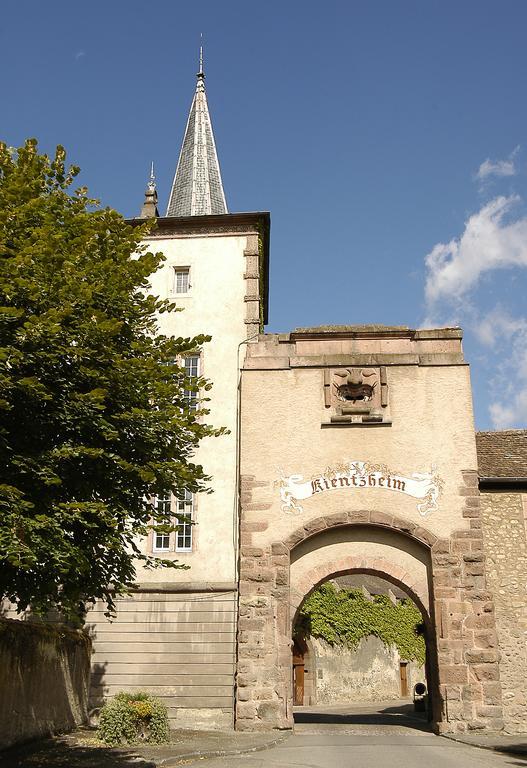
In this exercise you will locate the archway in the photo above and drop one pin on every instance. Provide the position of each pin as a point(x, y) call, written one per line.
point(270, 596)
point(370, 682)
point(371, 550)
point(460, 612)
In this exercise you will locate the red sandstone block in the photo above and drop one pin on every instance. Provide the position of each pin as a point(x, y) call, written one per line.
point(282, 577)
point(315, 525)
point(475, 569)
point(464, 491)
point(253, 624)
point(426, 536)
point(251, 551)
point(470, 478)
point(295, 538)
point(440, 560)
point(339, 518)
point(441, 577)
point(485, 672)
point(358, 516)
point(380, 518)
point(454, 674)
point(479, 656)
point(279, 549)
point(256, 527)
point(474, 557)
point(445, 593)
point(485, 639)
point(489, 710)
point(405, 526)
point(246, 710)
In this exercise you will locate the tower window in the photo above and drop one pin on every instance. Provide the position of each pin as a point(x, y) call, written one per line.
point(185, 506)
point(179, 540)
point(181, 279)
point(162, 540)
point(191, 372)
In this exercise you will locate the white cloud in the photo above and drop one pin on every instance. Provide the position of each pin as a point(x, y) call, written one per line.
point(490, 241)
point(512, 415)
point(498, 168)
point(501, 331)
point(499, 324)
point(79, 55)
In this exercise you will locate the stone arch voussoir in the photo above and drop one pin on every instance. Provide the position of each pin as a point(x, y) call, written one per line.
point(362, 517)
point(381, 566)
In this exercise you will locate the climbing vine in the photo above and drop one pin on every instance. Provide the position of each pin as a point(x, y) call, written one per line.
point(345, 616)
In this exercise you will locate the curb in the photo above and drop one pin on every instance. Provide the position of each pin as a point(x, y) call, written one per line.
point(508, 749)
point(202, 754)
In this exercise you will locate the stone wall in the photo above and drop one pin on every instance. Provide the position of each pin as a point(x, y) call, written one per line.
point(44, 672)
point(503, 517)
point(368, 673)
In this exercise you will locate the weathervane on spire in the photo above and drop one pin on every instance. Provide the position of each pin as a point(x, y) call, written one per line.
point(152, 181)
point(201, 73)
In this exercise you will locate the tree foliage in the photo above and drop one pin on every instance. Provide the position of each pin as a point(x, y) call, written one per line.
point(93, 414)
point(345, 616)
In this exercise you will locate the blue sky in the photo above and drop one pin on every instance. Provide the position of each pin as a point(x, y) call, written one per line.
point(387, 138)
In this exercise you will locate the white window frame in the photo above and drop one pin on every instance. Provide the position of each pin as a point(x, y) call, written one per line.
point(192, 398)
point(184, 538)
point(164, 499)
point(180, 270)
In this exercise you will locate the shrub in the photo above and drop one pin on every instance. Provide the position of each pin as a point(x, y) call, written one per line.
point(131, 718)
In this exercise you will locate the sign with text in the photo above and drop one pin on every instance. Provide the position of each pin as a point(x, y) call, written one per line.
point(365, 475)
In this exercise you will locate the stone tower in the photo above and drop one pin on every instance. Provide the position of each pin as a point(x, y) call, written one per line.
point(175, 636)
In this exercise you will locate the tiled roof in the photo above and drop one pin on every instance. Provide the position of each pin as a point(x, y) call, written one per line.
point(502, 454)
point(197, 188)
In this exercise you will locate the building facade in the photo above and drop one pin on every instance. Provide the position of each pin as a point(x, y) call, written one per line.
point(351, 450)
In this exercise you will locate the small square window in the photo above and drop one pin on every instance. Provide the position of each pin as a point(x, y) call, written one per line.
point(181, 279)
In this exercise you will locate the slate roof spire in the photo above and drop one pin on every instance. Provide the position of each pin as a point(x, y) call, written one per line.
point(197, 189)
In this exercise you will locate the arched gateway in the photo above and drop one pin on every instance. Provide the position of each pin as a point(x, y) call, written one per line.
point(358, 455)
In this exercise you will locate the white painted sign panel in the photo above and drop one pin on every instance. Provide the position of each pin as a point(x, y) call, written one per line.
point(362, 474)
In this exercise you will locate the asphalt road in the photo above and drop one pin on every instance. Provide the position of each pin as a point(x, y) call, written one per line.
point(388, 735)
point(336, 750)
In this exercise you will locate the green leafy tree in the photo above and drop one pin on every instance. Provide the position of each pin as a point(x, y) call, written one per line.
point(93, 414)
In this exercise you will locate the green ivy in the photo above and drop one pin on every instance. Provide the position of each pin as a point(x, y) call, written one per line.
point(345, 616)
point(130, 718)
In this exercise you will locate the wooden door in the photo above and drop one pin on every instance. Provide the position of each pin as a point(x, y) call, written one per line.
point(298, 675)
point(403, 670)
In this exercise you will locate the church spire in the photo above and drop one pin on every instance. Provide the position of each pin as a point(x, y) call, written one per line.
point(197, 188)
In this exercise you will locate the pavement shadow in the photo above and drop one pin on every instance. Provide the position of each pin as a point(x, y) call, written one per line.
point(403, 716)
point(61, 753)
point(516, 759)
